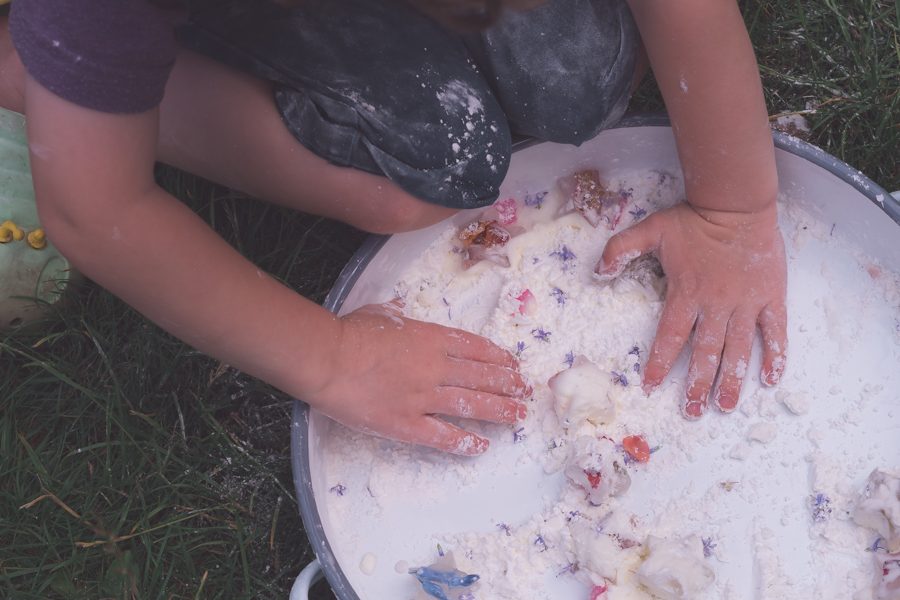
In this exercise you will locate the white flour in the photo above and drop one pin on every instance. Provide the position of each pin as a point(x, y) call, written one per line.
point(767, 492)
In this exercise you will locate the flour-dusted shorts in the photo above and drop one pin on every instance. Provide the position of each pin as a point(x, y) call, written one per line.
point(375, 85)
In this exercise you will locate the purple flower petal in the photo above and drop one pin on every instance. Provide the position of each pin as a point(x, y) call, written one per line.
point(540, 334)
point(564, 254)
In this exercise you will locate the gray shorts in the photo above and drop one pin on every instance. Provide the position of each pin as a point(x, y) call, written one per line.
point(375, 85)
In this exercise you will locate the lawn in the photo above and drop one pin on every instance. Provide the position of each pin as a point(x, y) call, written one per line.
point(133, 467)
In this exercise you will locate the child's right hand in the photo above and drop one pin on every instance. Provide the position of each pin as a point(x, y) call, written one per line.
point(392, 376)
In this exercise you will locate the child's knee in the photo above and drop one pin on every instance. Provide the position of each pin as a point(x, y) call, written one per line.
point(449, 147)
point(563, 71)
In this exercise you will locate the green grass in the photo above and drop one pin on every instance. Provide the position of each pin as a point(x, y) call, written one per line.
point(134, 467)
point(837, 61)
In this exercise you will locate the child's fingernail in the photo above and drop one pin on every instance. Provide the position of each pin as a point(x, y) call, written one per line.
point(726, 402)
point(472, 445)
point(772, 377)
point(692, 410)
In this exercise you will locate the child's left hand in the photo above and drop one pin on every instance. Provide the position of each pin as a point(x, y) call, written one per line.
point(726, 274)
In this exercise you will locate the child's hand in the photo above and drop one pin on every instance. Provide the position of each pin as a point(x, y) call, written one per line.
point(392, 376)
point(726, 274)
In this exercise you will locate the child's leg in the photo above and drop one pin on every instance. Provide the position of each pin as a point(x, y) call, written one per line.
point(565, 70)
point(223, 125)
point(370, 85)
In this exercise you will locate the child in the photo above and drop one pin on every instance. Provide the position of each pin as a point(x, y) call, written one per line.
point(400, 121)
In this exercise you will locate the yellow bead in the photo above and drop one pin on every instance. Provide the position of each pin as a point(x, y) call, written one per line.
point(37, 239)
point(17, 233)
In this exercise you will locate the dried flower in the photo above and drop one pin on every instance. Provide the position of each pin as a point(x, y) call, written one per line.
point(505, 529)
point(520, 347)
point(708, 546)
point(564, 254)
point(636, 449)
point(339, 489)
point(484, 233)
point(519, 435)
point(623, 542)
point(536, 200)
point(541, 334)
point(877, 545)
point(638, 212)
point(619, 378)
point(569, 568)
point(598, 592)
point(570, 358)
point(526, 302)
point(540, 543)
point(573, 514)
point(821, 507)
point(507, 211)
point(440, 550)
point(559, 295)
point(635, 351)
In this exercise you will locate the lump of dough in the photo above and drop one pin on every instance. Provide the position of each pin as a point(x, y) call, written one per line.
point(596, 466)
point(584, 392)
point(878, 508)
point(675, 569)
point(763, 432)
point(607, 557)
point(887, 576)
point(886, 584)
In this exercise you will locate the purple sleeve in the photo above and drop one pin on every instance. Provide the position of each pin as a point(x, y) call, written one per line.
point(108, 55)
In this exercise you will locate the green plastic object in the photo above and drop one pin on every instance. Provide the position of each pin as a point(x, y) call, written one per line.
point(30, 280)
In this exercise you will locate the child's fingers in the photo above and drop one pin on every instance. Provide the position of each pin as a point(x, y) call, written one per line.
point(735, 358)
point(484, 377)
point(468, 346)
point(773, 325)
point(469, 404)
point(435, 433)
point(672, 333)
point(706, 351)
point(626, 246)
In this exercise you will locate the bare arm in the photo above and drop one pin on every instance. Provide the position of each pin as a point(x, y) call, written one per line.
point(721, 251)
point(97, 198)
point(704, 64)
point(94, 179)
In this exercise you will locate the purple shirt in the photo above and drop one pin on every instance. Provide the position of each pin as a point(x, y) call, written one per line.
point(108, 55)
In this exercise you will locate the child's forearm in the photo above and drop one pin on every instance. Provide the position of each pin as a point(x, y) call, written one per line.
point(703, 61)
point(163, 260)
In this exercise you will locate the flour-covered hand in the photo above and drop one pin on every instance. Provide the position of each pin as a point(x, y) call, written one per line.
point(393, 376)
point(726, 275)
